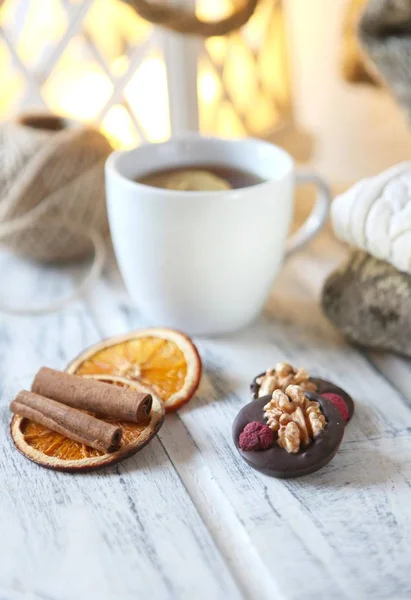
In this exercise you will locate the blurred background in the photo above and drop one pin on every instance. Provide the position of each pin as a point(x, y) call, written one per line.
point(98, 61)
point(293, 74)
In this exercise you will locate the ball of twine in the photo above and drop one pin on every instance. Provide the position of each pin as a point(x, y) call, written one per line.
point(52, 199)
point(178, 19)
point(51, 171)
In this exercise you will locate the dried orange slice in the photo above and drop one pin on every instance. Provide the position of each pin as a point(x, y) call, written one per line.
point(164, 360)
point(55, 451)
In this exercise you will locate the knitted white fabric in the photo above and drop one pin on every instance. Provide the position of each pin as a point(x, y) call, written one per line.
point(375, 215)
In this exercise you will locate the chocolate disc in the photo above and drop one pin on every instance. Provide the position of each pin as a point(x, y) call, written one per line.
point(276, 461)
point(323, 387)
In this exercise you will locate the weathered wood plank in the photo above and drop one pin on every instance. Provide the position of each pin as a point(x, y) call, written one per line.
point(396, 369)
point(128, 532)
point(334, 530)
point(312, 534)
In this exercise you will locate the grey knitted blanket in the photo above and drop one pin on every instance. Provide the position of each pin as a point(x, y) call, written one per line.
point(367, 299)
point(385, 33)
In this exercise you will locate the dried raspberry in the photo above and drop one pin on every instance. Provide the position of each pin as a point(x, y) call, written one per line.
point(266, 436)
point(256, 436)
point(339, 403)
point(249, 441)
point(253, 427)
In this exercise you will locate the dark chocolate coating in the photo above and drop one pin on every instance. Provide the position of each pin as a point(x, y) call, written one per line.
point(276, 461)
point(323, 386)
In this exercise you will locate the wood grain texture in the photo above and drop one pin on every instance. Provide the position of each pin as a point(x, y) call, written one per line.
point(187, 518)
point(131, 531)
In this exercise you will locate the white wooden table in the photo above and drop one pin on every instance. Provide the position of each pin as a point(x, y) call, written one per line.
point(186, 518)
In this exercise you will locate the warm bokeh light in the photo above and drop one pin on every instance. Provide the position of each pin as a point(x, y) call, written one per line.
point(78, 91)
point(90, 69)
point(148, 98)
point(249, 69)
point(118, 127)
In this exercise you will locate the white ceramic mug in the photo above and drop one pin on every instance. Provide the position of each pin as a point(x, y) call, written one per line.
point(205, 262)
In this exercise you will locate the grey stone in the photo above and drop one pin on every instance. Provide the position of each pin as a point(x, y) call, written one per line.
point(369, 301)
point(385, 33)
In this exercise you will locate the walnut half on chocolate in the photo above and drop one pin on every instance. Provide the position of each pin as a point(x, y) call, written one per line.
point(281, 377)
point(297, 419)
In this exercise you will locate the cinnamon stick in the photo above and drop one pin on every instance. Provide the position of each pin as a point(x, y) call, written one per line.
point(72, 423)
point(95, 396)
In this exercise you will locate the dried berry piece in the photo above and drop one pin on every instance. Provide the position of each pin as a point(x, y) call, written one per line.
point(256, 436)
point(339, 403)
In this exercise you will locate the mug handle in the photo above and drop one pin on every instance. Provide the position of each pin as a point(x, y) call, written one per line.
point(318, 216)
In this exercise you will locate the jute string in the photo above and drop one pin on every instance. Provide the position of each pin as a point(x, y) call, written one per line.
point(92, 272)
point(178, 19)
point(52, 203)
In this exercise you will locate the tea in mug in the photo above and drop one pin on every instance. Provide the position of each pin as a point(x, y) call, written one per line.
point(201, 178)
